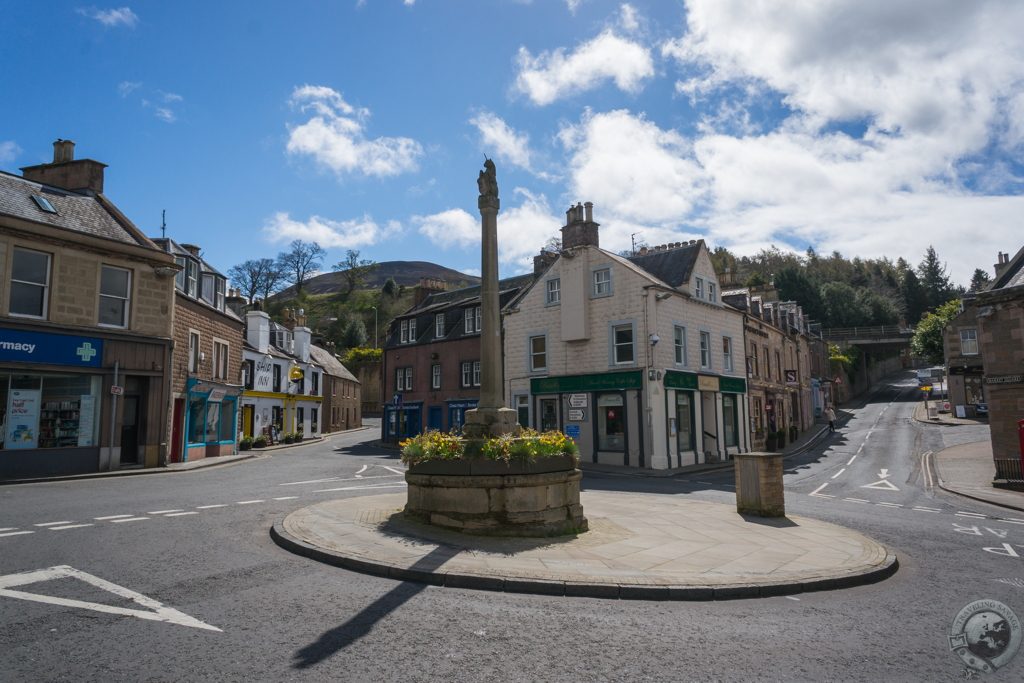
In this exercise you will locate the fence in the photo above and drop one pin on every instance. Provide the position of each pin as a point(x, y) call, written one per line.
point(1008, 470)
point(870, 332)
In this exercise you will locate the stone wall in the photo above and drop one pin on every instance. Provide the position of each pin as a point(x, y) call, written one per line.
point(210, 324)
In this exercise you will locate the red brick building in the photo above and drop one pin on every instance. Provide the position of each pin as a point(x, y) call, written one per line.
point(342, 405)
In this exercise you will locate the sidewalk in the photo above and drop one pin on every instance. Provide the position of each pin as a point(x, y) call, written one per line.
point(944, 419)
point(967, 470)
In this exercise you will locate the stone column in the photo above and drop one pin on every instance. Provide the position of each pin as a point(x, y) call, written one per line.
point(490, 417)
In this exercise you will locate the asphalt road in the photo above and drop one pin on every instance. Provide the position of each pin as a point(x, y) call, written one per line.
point(231, 605)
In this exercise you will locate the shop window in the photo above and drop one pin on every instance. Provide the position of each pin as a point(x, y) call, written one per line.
point(553, 292)
point(30, 283)
point(729, 414)
point(49, 411)
point(684, 421)
point(538, 354)
point(115, 290)
point(974, 392)
point(622, 344)
point(705, 350)
point(314, 420)
point(300, 420)
point(548, 414)
point(969, 342)
point(679, 334)
point(757, 417)
point(197, 420)
point(611, 422)
point(602, 282)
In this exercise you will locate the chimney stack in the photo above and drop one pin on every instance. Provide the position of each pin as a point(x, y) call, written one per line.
point(1003, 260)
point(580, 228)
point(191, 248)
point(82, 175)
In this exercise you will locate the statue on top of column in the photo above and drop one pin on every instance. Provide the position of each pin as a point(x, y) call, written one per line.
point(487, 181)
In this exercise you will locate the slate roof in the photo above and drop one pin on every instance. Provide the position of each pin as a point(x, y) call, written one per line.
point(331, 365)
point(672, 266)
point(1013, 276)
point(77, 212)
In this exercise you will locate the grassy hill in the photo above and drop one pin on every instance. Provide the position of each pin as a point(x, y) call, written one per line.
point(407, 273)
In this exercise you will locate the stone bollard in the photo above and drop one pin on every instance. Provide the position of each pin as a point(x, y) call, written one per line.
point(759, 484)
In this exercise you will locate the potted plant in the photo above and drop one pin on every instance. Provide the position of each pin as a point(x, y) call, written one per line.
point(245, 443)
point(780, 437)
point(793, 433)
point(287, 437)
point(771, 442)
point(260, 441)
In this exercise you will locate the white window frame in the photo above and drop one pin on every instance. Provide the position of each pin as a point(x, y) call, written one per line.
point(221, 356)
point(727, 353)
point(615, 328)
point(472, 320)
point(969, 339)
point(45, 285)
point(127, 298)
point(218, 292)
point(553, 292)
point(194, 350)
point(435, 376)
point(404, 335)
point(399, 378)
point(466, 371)
point(439, 325)
point(408, 379)
point(412, 330)
point(711, 291)
point(679, 344)
point(192, 278)
point(705, 350)
point(698, 288)
point(179, 277)
point(601, 286)
point(535, 355)
point(476, 373)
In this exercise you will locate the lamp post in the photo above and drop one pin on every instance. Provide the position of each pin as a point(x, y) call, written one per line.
point(374, 326)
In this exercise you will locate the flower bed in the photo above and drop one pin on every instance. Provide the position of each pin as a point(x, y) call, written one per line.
point(526, 446)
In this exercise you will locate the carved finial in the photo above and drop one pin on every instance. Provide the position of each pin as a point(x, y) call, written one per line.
point(487, 181)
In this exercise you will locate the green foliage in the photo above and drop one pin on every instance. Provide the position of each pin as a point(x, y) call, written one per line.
point(260, 442)
point(526, 446)
point(932, 273)
point(794, 285)
point(927, 340)
point(245, 443)
point(362, 356)
point(979, 281)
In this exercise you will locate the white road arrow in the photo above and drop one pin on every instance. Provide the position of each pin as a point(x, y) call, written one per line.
point(883, 484)
point(884, 474)
point(154, 611)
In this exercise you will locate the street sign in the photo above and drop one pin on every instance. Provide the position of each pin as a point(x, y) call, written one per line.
point(838, 380)
point(572, 431)
point(398, 400)
point(116, 390)
point(577, 415)
point(577, 401)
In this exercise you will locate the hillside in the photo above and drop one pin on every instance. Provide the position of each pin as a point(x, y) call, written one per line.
point(407, 273)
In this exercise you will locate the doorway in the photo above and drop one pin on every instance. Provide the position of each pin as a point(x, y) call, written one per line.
point(709, 425)
point(130, 430)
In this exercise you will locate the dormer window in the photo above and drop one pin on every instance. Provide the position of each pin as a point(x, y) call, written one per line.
point(472, 320)
point(207, 291)
point(698, 288)
point(192, 278)
point(711, 291)
point(218, 290)
point(179, 279)
point(43, 203)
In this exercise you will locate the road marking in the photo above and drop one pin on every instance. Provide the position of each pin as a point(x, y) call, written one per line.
point(69, 526)
point(790, 597)
point(154, 611)
point(162, 512)
point(961, 513)
point(838, 473)
point(286, 498)
point(882, 485)
point(815, 491)
point(362, 488)
point(103, 519)
point(361, 470)
point(850, 461)
point(883, 473)
point(129, 519)
point(66, 521)
point(1012, 521)
point(323, 481)
point(8, 528)
point(857, 500)
point(16, 533)
point(890, 505)
point(924, 509)
point(182, 514)
point(392, 469)
point(210, 507)
point(249, 502)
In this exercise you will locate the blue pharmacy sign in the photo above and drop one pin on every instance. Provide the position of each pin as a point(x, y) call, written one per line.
point(572, 431)
point(20, 346)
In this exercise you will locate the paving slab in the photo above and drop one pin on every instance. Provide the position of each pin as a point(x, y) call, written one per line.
point(622, 556)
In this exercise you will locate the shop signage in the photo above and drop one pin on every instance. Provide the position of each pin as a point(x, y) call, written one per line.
point(1005, 379)
point(264, 369)
point(55, 349)
point(791, 377)
point(705, 383)
point(572, 431)
point(567, 384)
point(577, 415)
point(577, 400)
point(733, 385)
point(22, 419)
point(674, 379)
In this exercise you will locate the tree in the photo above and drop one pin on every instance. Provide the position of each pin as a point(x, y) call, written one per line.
point(880, 310)
point(301, 259)
point(273, 277)
point(927, 339)
point(842, 307)
point(390, 288)
point(912, 294)
point(354, 271)
point(247, 277)
point(354, 334)
point(794, 285)
point(979, 281)
point(934, 280)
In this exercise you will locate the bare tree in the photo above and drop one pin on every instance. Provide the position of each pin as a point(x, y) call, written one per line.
point(354, 270)
point(248, 277)
point(301, 259)
point(273, 277)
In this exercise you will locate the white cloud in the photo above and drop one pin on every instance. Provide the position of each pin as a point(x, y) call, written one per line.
point(451, 228)
point(9, 151)
point(164, 114)
point(170, 97)
point(552, 75)
point(628, 18)
point(335, 137)
point(573, 5)
point(281, 227)
point(502, 140)
point(122, 16)
point(126, 88)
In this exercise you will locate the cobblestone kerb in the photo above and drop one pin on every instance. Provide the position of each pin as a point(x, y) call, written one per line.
point(364, 536)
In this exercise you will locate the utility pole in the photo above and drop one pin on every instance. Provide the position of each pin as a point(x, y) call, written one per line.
point(632, 240)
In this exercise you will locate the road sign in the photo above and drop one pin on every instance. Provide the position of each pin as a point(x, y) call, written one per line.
point(398, 400)
point(572, 431)
point(577, 401)
point(577, 415)
point(838, 380)
point(116, 390)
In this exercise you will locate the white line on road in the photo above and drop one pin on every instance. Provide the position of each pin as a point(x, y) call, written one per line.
point(16, 533)
point(66, 521)
point(321, 481)
point(838, 473)
point(361, 470)
point(7, 528)
point(890, 505)
point(857, 500)
point(103, 519)
point(790, 597)
point(162, 512)
point(182, 514)
point(815, 491)
point(210, 507)
point(286, 498)
point(249, 502)
point(393, 469)
point(129, 519)
point(961, 513)
point(362, 488)
point(927, 509)
point(1013, 519)
point(850, 461)
point(69, 526)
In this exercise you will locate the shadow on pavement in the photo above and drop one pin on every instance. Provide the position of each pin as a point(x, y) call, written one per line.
point(368, 449)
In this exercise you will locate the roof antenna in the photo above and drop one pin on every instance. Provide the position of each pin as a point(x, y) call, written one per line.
point(163, 223)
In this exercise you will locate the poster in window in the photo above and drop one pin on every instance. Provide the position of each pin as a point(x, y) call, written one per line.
point(22, 419)
point(86, 419)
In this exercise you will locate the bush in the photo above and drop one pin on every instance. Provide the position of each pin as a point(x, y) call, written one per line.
point(260, 441)
point(287, 437)
point(245, 443)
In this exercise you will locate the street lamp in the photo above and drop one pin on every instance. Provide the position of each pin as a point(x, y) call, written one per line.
point(374, 326)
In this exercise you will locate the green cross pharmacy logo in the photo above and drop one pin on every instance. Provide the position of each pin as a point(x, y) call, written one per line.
point(86, 352)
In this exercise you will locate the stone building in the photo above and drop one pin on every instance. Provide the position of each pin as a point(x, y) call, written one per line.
point(1000, 315)
point(431, 369)
point(342, 404)
point(86, 308)
point(637, 359)
point(283, 385)
point(965, 370)
point(206, 372)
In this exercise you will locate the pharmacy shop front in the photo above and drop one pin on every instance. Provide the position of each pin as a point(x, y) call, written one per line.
point(56, 403)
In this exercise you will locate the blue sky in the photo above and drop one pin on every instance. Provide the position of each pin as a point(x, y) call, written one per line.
point(869, 127)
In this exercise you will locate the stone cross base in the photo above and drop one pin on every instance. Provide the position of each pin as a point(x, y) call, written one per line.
point(759, 484)
point(483, 423)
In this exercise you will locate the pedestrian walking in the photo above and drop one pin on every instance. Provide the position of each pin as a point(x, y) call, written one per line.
point(830, 415)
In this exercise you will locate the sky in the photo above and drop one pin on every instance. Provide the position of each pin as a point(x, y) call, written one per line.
point(869, 127)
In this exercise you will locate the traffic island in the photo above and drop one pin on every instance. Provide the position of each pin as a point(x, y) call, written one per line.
point(639, 546)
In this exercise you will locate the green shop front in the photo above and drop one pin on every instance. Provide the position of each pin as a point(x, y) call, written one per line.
point(705, 418)
point(601, 412)
point(210, 426)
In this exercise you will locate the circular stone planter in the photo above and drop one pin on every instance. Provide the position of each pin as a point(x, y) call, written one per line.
point(494, 498)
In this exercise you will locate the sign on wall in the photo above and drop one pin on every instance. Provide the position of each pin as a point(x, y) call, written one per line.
point(577, 400)
point(21, 346)
point(22, 419)
point(263, 375)
point(577, 415)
